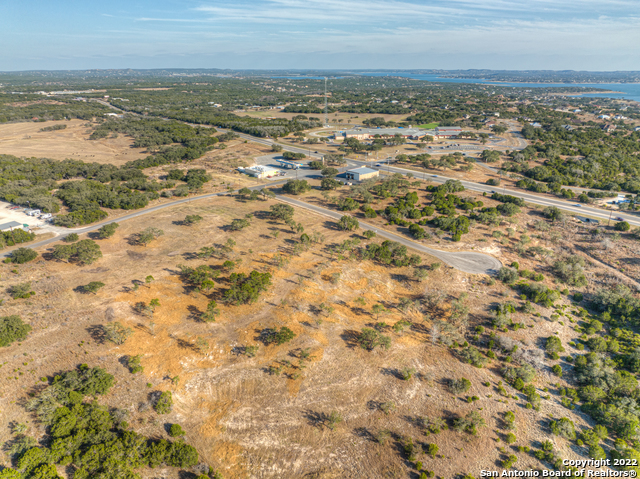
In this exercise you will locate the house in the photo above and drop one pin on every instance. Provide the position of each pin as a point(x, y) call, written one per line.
point(609, 127)
point(361, 173)
point(11, 225)
point(637, 128)
point(604, 117)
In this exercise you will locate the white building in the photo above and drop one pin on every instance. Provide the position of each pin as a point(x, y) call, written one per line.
point(260, 171)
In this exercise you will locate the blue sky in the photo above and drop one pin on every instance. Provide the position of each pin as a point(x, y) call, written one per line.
point(323, 34)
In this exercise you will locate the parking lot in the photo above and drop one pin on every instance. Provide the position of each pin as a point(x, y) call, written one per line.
point(271, 162)
point(7, 214)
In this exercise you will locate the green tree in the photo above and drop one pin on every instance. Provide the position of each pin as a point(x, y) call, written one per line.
point(87, 251)
point(192, 219)
point(211, 313)
point(348, 223)
point(107, 231)
point(22, 255)
point(148, 235)
point(370, 339)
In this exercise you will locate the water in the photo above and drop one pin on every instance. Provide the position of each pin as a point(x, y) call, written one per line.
point(629, 91)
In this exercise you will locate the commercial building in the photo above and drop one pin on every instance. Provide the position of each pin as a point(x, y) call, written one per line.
point(11, 225)
point(361, 173)
point(447, 131)
point(367, 133)
point(260, 171)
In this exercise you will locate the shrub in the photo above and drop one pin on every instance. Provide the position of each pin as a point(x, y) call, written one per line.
point(274, 336)
point(370, 339)
point(192, 219)
point(176, 431)
point(21, 291)
point(508, 275)
point(71, 238)
point(348, 223)
point(117, 333)
point(107, 231)
point(369, 234)
point(469, 423)
point(553, 345)
point(164, 403)
point(22, 255)
point(563, 427)
point(459, 386)
point(134, 363)
point(510, 439)
point(557, 370)
point(473, 356)
point(12, 328)
point(92, 287)
point(622, 226)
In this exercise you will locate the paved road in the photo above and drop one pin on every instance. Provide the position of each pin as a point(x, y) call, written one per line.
point(582, 210)
point(475, 263)
point(469, 262)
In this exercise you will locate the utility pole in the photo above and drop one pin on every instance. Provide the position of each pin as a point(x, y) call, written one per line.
point(326, 113)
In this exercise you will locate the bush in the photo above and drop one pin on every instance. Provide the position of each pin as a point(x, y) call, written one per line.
point(12, 328)
point(553, 345)
point(557, 370)
point(92, 287)
point(371, 338)
point(459, 386)
point(510, 439)
point(563, 427)
point(22, 255)
point(273, 336)
point(164, 403)
point(107, 231)
point(348, 223)
point(21, 291)
point(622, 226)
point(508, 275)
point(176, 431)
point(71, 238)
point(134, 363)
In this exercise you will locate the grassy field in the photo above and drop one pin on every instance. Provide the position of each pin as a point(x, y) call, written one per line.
point(26, 139)
point(429, 126)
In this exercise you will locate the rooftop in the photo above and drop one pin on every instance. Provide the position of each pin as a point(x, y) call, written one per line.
point(10, 224)
point(363, 170)
point(388, 131)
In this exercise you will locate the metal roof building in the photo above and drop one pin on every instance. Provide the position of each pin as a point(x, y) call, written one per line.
point(361, 173)
point(366, 133)
point(10, 225)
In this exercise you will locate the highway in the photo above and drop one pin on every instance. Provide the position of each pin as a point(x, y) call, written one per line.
point(469, 262)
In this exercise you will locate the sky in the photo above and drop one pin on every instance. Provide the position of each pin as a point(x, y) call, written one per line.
point(595, 35)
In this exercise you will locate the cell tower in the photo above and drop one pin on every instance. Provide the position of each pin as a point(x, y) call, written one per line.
point(326, 114)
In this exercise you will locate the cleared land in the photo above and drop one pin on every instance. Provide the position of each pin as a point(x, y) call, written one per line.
point(27, 139)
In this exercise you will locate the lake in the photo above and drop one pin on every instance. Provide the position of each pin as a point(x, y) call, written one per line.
point(629, 91)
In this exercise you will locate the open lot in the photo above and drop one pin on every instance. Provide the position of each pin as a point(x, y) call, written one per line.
point(26, 139)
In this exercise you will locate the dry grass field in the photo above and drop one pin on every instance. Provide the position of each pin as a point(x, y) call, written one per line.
point(249, 422)
point(26, 139)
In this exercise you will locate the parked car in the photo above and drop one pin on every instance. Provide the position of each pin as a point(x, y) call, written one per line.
point(378, 164)
point(578, 205)
point(619, 218)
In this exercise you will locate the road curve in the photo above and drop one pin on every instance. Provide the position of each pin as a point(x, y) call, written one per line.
point(475, 263)
point(469, 262)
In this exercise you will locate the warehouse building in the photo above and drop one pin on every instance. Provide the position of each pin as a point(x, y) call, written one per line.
point(362, 173)
point(11, 225)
